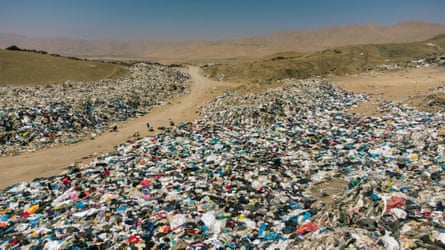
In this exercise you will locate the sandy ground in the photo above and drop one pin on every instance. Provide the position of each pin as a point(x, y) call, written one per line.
point(409, 86)
point(47, 162)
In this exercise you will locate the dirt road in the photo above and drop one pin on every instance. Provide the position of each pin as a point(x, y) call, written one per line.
point(51, 161)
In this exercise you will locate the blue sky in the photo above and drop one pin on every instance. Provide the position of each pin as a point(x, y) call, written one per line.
point(173, 20)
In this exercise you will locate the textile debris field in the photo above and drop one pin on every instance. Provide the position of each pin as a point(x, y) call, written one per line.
point(288, 168)
point(46, 115)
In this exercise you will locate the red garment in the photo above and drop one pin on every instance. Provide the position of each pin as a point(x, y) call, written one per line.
point(145, 183)
point(134, 239)
point(106, 172)
point(306, 228)
point(394, 202)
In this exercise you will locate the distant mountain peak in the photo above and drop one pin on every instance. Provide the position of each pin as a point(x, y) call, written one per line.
point(417, 23)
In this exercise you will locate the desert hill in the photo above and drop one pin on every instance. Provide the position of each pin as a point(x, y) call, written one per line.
point(335, 61)
point(23, 68)
point(231, 49)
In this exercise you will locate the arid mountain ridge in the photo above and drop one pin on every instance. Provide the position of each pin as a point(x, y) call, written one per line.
point(231, 49)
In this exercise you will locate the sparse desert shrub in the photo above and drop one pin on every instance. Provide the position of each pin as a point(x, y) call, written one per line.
point(13, 47)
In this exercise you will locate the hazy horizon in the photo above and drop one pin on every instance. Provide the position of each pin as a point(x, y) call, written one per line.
point(201, 20)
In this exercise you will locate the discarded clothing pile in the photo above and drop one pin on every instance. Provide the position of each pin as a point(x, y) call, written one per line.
point(41, 116)
point(257, 172)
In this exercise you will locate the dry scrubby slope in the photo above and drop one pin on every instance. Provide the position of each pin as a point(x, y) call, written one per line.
point(24, 68)
point(337, 61)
